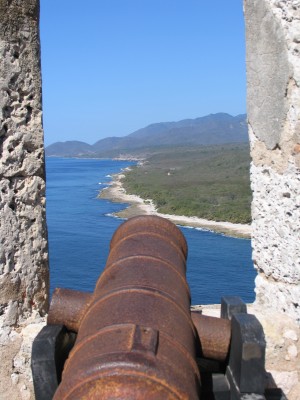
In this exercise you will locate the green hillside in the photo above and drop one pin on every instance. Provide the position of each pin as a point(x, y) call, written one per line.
point(209, 182)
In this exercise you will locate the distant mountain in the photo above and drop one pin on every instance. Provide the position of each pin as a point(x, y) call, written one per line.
point(212, 129)
point(69, 149)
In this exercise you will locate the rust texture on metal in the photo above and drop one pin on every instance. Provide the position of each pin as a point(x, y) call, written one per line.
point(214, 336)
point(137, 339)
point(68, 307)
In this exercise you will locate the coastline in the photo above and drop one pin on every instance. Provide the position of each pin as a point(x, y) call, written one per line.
point(116, 193)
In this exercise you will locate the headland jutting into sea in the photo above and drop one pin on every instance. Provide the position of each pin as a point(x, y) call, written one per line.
point(138, 206)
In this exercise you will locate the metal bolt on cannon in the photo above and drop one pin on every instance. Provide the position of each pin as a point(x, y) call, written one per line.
point(135, 335)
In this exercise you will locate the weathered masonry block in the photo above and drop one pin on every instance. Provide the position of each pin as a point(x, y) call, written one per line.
point(273, 80)
point(23, 235)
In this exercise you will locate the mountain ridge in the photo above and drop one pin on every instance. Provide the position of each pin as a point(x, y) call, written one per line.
point(220, 128)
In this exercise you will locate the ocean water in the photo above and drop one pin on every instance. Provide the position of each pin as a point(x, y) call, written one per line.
point(80, 227)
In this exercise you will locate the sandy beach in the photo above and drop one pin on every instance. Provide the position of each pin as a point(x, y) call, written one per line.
point(138, 206)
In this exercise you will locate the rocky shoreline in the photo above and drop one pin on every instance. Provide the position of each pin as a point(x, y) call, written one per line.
point(115, 192)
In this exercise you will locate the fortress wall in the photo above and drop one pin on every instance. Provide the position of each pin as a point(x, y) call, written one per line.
point(23, 251)
point(273, 101)
point(24, 256)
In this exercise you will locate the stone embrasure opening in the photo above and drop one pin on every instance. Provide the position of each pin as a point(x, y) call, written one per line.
point(273, 97)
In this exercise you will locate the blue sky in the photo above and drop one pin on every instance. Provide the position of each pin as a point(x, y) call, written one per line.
point(110, 67)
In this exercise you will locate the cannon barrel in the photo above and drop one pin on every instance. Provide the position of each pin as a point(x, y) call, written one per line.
point(136, 338)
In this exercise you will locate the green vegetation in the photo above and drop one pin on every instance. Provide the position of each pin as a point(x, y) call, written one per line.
point(209, 182)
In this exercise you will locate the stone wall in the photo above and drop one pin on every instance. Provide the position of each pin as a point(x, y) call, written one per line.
point(273, 98)
point(23, 253)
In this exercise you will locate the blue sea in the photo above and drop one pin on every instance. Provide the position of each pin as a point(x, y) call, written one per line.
point(80, 227)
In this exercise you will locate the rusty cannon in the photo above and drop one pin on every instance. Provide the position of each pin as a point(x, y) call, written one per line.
point(135, 337)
